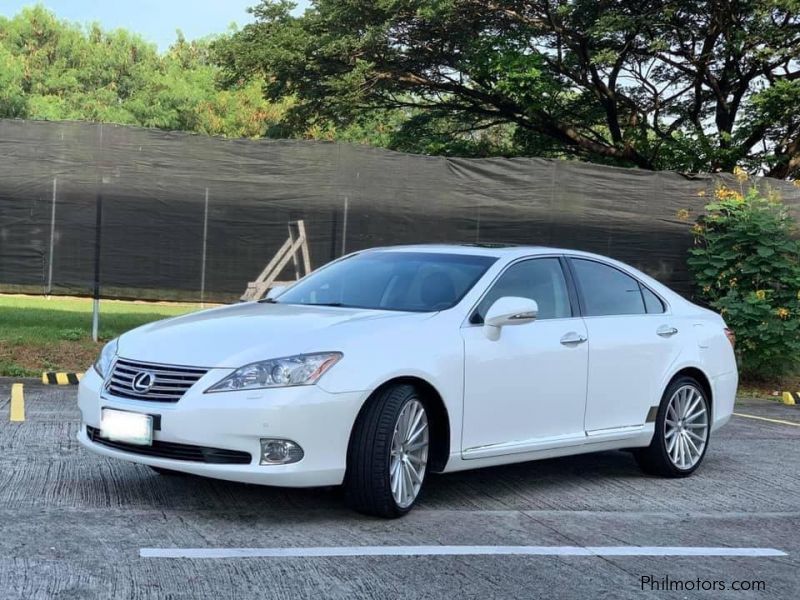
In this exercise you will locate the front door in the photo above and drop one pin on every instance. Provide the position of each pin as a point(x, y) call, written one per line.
point(527, 388)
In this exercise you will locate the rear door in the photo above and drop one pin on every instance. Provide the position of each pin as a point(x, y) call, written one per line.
point(633, 340)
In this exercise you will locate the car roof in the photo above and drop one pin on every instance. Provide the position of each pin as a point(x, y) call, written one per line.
point(487, 249)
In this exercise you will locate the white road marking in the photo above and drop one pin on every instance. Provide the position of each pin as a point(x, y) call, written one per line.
point(327, 551)
point(779, 421)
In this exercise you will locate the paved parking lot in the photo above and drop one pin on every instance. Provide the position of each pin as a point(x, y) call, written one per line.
point(72, 524)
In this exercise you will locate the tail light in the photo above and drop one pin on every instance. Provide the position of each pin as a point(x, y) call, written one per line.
point(731, 337)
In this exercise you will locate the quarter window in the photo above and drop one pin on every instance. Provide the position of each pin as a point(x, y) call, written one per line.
point(539, 279)
point(608, 291)
point(652, 303)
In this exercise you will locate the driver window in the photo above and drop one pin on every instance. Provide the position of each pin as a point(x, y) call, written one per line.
point(540, 279)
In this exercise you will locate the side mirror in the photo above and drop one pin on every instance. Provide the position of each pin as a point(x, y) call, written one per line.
point(509, 310)
point(274, 292)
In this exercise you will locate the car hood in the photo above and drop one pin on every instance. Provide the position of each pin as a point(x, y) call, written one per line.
point(232, 336)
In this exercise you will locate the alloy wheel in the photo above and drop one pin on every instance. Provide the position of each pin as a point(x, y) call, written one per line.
point(409, 455)
point(686, 427)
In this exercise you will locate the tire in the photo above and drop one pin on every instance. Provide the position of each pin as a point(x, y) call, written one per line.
point(166, 472)
point(684, 397)
point(385, 444)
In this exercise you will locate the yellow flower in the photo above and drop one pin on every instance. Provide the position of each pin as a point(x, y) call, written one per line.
point(761, 294)
point(783, 313)
point(726, 193)
point(740, 174)
point(682, 214)
point(732, 282)
point(697, 229)
point(702, 193)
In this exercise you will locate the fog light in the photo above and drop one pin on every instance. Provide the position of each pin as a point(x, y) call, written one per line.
point(279, 452)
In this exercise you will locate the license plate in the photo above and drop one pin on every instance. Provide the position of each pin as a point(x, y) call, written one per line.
point(128, 427)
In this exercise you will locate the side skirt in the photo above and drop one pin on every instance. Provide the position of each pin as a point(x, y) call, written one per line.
point(515, 452)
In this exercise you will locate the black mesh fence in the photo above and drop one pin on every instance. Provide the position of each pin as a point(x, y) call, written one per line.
point(188, 217)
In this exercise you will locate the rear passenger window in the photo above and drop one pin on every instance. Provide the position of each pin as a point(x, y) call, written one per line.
point(607, 291)
point(652, 302)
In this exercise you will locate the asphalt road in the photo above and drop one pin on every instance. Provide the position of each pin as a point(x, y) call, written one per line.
point(72, 524)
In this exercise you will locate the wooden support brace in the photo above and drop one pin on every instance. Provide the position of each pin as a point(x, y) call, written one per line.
point(294, 248)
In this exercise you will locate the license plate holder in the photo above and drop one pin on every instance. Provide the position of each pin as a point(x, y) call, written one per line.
point(126, 426)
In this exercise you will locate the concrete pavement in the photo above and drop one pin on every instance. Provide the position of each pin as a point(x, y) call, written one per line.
point(72, 524)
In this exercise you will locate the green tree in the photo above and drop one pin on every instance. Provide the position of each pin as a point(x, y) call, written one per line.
point(12, 96)
point(51, 69)
point(687, 85)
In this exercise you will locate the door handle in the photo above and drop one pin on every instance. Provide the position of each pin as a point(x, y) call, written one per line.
point(573, 338)
point(666, 331)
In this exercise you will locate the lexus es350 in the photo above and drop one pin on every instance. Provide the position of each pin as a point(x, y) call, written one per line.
point(390, 364)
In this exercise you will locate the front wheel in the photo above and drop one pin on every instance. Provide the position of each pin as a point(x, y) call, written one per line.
point(166, 472)
point(683, 427)
point(388, 455)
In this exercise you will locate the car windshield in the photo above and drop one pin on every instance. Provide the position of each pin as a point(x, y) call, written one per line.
point(404, 281)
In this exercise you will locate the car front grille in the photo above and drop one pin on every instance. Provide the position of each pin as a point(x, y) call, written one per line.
point(169, 383)
point(174, 451)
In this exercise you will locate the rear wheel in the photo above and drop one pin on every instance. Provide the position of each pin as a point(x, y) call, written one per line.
point(388, 455)
point(683, 427)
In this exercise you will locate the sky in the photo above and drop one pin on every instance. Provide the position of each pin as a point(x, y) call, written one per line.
point(155, 20)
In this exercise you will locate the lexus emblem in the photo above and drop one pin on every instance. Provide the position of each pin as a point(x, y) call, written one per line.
point(142, 382)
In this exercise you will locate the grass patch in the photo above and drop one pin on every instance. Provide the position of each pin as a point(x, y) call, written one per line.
point(54, 334)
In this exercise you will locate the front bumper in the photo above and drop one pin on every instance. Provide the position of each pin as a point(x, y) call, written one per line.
point(317, 420)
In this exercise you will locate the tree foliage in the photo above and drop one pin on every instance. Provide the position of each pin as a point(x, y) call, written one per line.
point(52, 69)
point(746, 264)
point(694, 85)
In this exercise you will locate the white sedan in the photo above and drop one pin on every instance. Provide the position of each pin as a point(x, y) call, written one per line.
point(389, 364)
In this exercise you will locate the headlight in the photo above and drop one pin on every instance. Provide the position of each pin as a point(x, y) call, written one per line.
point(303, 369)
point(107, 354)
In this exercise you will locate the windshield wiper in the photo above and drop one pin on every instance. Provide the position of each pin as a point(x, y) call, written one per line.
point(322, 304)
point(274, 301)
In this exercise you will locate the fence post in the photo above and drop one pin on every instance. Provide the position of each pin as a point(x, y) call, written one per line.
point(97, 240)
point(344, 226)
point(203, 261)
point(52, 238)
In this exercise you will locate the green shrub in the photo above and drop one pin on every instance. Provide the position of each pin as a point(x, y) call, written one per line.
point(746, 265)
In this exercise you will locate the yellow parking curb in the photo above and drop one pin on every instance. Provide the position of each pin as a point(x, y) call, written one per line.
point(17, 409)
point(51, 378)
point(790, 398)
